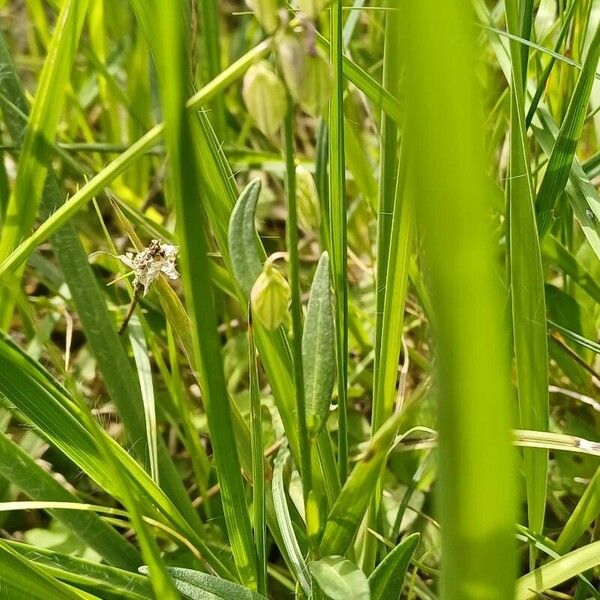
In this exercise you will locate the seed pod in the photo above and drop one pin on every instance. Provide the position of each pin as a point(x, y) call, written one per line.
point(265, 97)
point(266, 12)
point(307, 197)
point(311, 8)
point(316, 88)
point(269, 297)
point(292, 58)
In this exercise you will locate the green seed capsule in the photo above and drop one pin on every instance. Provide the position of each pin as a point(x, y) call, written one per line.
point(269, 297)
point(307, 198)
point(265, 97)
point(316, 90)
point(292, 58)
point(306, 73)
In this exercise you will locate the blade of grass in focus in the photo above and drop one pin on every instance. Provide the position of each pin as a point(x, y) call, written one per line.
point(338, 233)
point(187, 195)
point(527, 289)
point(447, 178)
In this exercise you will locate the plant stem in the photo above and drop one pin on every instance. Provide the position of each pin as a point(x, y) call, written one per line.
point(337, 198)
point(292, 246)
point(258, 465)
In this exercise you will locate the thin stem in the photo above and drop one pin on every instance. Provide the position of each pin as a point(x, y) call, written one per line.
point(292, 246)
point(339, 251)
point(136, 297)
point(258, 465)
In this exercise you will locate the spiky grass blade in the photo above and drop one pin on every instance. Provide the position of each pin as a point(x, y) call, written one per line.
point(338, 233)
point(527, 289)
point(187, 194)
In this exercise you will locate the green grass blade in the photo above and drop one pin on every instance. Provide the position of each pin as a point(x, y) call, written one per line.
point(561, 159)
point(387, 579)
point(284, 520)
point(37, 143)
point(144, 369)
point(350, 507)
point(447, 179)
point(187, 196)
point(23, 472)
point(557, 571)
point(258, 465)
point(24, 202)
point(109, 583)
point(585, 512)
point(338, 233)
point(527, 292)
point(23, 580)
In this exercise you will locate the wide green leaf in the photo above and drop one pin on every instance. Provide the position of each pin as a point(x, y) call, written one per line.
point(340, 579)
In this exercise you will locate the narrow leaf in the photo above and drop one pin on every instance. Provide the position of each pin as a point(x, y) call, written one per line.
point(318, 349)
point(387, 579)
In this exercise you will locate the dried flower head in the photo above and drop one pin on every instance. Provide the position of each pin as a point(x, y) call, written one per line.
point(147, 264)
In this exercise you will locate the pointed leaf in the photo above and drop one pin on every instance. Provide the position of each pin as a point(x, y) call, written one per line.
point(245, 261)
point(387, 579)
point(318, 350)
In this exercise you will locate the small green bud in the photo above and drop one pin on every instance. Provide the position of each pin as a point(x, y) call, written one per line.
point(307, 197)
point(311, 8)
point(269, 297)
point(266, 12)
point(316, 90)
point(265, 97)
point(292, 57)
point(306, 73)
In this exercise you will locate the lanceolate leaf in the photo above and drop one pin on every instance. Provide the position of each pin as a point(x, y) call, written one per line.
point(387, 579)
point(201, 586)
point(318, 349)
point(245, 261)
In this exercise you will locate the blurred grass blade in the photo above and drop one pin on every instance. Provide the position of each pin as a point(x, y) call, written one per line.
point(24, 473)
point(24, 202)
point(47, 106)
point(561, 159)
point(350, 507)
point(557, 571)
point(188, 198)
point(318, 349)
point(387, 579)
point(144, 369)
point(245, 261)
point(447, 178)
point(527, 290)
point(587, 509)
